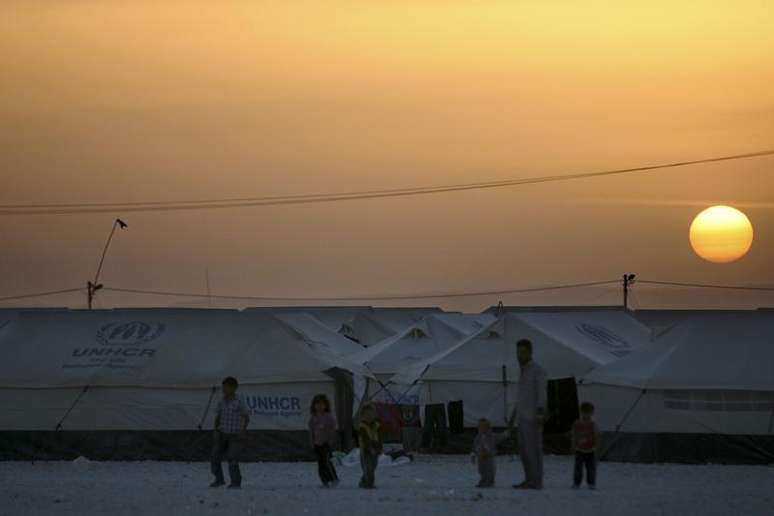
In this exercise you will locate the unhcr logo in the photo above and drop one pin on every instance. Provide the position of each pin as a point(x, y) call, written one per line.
point(284, 406)
point(132, 333)
point(616, 344)
point(121, 344)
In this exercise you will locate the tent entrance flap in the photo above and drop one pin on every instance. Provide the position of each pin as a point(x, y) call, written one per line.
point(563, 408)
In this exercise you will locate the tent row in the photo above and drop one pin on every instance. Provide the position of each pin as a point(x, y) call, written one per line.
point(68, 360)
point(667, 386)
point(156, 369)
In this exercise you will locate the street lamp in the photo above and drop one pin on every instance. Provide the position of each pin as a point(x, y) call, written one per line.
point(93, 287)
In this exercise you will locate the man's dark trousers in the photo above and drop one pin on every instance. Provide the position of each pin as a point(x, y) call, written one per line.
point(228, 447)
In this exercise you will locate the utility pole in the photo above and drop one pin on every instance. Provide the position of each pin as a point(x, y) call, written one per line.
point(628, 281)
point(91, 289)
point(93, 286)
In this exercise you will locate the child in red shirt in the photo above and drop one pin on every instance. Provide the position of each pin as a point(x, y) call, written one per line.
point(585, 443)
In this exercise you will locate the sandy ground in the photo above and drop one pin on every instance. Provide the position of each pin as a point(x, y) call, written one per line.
point(430, 485)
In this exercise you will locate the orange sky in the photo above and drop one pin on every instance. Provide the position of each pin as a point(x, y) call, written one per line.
point(131, 101)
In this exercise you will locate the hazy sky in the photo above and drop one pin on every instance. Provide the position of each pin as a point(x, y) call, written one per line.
point(139, 101)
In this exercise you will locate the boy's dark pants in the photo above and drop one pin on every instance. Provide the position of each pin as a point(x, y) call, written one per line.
point(368, 462)
point(227, 446)
point(324, 465)
point(487, 467)
point(589, 460)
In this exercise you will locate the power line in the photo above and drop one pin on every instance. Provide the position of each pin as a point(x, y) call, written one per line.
point(200, 204)
point(369, 298)
point(398, 297)
point(706, 285)
point(41, 294)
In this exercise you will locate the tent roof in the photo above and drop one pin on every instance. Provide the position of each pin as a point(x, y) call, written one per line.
point(422, 339)
point(370, 328)
point(465, 324)
point(314, 331)
point(733, 351)
point(168, 348)
point(558, 347)
point(334, 317)
point(662, 320)
point(602, 336)
point(496, 309)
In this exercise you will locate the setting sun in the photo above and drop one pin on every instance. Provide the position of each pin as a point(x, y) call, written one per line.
point(721, 234)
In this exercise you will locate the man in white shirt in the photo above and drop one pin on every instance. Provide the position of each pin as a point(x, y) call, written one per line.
point(531, 410)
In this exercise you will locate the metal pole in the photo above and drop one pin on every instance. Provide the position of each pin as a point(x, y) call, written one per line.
point(92, 287)
point(505, 394)
point(628, 280)
point(626, 291)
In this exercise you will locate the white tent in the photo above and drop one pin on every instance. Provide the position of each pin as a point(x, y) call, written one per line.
point(704, 391)
point(465, 324)
point(660, 321)
point(593, 338)
point(424, 338)
point(6, 316)
point(9, 314)
point(314, 332)
point(419, 340)
point(707, 374)
point(158, 369)
point(370, 328)
point(333, 317)
point(482, 370)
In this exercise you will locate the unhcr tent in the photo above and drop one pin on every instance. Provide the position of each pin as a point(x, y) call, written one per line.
point(9, 314)
point(703, 392)
point(422, 339)
point(318, 335)
point(143, 383)
point(588, 338)
point(482, 370)
point(660, 321)
point(465, 324)
point(6, 316)
point(369, 328)
point(333, 317)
